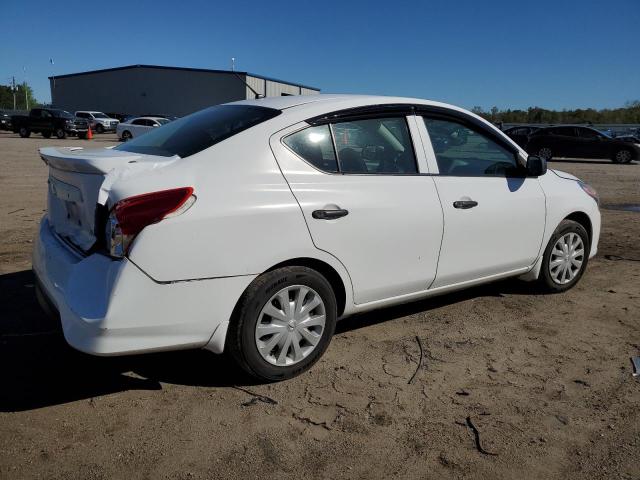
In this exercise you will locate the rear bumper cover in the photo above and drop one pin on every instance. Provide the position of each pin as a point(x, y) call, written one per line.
point(111, 307)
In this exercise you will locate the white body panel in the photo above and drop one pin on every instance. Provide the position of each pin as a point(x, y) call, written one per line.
point(184, 275)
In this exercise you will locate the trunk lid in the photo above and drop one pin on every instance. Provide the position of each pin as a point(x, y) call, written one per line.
point(79, 183)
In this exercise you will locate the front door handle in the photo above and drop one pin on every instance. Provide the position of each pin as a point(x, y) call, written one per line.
point(465, 204)
point(329, 214)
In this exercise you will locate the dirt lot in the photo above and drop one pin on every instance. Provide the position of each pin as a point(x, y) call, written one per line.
point(545, 379)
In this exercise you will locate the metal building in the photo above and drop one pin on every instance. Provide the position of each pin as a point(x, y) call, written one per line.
point(152, 89)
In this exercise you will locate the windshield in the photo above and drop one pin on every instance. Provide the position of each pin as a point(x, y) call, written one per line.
point(162, 121)
point(198, 131)
point(98, 115)
point(604, 133)
point(61, 114)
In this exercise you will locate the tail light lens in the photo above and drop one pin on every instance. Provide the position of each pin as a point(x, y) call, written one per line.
point(129, 216)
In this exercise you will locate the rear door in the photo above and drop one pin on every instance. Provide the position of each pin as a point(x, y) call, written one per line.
point(494, 217)
point(359, 186)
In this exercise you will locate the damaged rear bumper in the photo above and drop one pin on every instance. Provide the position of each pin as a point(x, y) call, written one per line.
point(112, 307)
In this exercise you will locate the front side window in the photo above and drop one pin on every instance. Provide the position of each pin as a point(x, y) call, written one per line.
point(377, 145)
point(99, 115)
point(196, 132)
point(314, 145)
point(462, 151)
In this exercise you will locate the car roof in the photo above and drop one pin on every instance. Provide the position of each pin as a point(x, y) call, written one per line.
point(148, 118)
point(329, 101)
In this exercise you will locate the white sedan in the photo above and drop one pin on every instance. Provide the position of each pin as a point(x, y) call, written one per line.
point(253, 226)
point(137, 126)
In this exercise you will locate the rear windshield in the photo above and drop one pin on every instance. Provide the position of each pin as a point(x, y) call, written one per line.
point(198, 131)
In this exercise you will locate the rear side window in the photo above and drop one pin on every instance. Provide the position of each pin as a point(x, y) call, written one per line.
point(315, 146)
point(198, 131)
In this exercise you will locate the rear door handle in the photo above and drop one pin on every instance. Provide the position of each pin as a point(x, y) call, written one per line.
point(465, 204)
point(329, 214)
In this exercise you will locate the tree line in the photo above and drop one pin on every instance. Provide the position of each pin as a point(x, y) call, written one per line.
point(6, 97)
point(630, 113)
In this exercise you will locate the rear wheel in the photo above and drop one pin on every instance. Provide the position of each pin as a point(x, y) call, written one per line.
point(24, 132)
point(622, 156)
point(60, 133)
point(283, 323)
point(565, 257)
point(545, 153)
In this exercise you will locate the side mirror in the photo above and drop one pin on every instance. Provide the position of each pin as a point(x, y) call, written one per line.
point(536, 166)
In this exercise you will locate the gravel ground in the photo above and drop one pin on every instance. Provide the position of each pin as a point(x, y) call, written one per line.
point(545, 380)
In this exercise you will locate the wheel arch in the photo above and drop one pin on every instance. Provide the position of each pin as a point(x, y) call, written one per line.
point(584, 220)
point(326, 270)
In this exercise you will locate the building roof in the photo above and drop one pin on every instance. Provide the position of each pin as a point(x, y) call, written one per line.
point(188, 69)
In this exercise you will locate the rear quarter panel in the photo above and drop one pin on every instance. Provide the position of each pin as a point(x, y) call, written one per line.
point(245, 219)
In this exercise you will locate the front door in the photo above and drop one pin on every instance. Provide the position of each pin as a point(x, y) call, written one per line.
point(494, 217)
point(359, 186)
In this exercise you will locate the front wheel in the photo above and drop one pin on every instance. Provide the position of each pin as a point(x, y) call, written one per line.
point(565, 257)
point(24, 132)
point(622, 156)
point(283, 323)
point(99, 129)
point(126, 136)
point(60, 133)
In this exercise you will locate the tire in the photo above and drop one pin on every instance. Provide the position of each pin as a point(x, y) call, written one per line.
point(99, 129)
point(82, 136)
point(60, 133)
point(243, 336)
point(547, 279)
point(126, 136)
point(545, 153)
point(24, 132)
point(46, 134)
point(622, 156)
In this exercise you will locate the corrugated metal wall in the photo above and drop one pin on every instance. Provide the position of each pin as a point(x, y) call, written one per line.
point(162, 91)
point(275, 89)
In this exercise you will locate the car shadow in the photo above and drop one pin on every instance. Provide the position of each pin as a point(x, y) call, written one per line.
point(39, 369)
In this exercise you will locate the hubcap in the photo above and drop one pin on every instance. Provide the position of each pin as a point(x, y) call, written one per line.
point(290, 325)
point(545, 153)
point(623, 156)
point(567, 258)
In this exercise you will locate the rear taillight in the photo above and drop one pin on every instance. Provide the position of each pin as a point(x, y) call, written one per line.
point(129, 216)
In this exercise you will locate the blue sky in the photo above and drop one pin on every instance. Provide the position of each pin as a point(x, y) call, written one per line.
point(512, 54)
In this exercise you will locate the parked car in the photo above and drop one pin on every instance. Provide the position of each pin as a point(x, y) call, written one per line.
point(99, 122)
point(521, 135)
point(251, 227)
point(137, 126)
point(48, 121)
point(5, 121)
point(580, 142)
point(121, 117)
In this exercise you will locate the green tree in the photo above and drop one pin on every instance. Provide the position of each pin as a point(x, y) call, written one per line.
point(6, 97)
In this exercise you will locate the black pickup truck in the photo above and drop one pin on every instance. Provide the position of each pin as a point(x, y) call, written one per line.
point(49, 121)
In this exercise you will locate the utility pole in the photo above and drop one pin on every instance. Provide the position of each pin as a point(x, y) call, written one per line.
point(26, 99)
point(13, 89)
